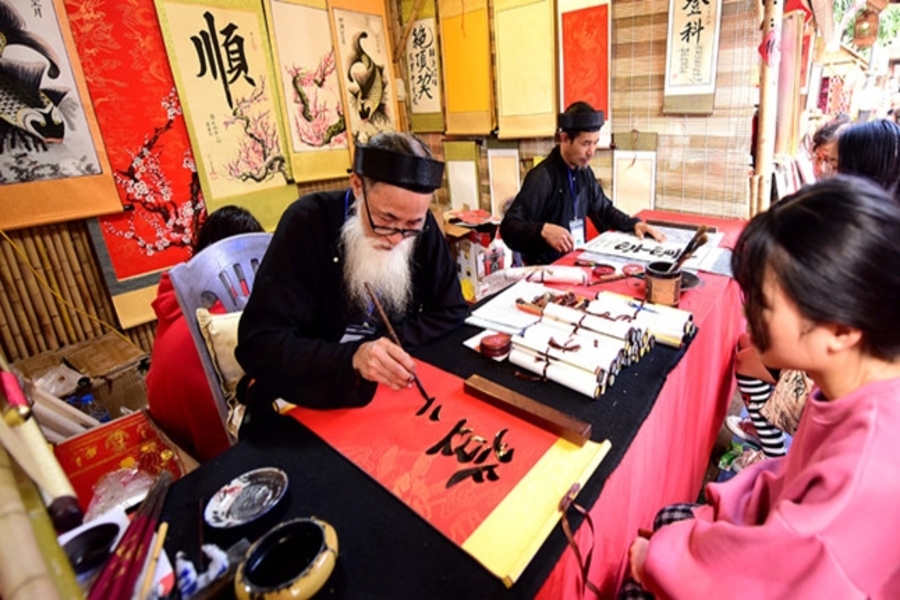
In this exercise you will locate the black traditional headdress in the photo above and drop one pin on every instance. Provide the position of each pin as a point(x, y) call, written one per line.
point(415, 173)
point(580, 121)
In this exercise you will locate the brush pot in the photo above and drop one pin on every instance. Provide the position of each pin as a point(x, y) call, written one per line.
point(293, 560)
point(662, 287)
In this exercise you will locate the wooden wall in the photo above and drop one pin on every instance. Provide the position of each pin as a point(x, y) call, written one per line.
point(703, 166)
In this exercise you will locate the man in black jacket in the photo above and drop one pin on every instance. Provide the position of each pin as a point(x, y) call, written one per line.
point(310, 333)
point(547, 218)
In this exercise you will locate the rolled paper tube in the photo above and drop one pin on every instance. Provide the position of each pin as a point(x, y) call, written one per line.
point(599, 377)
point(582, 363)
point(49, 419)
point(59, 495)
point(657, 308)
point(587, 355)
point(70, 412)
point(592, 338)
point(669, 326)
point(618, 329)
point(23, 571)
point(570, 377)
point(572, 275)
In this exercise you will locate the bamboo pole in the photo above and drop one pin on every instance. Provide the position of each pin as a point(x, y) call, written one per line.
point(91, 328)
point(41, 298)
point(48, 253)
point(23, 572)
point(91, 275)
point(58, 567)
point(59, 312)
point(17, 347)
point(66, 245)
point(768, 101)
point(24, 310)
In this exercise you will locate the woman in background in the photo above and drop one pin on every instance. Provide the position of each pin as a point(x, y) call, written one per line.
point(178, 393)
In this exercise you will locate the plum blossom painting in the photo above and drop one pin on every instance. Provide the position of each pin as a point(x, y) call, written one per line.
point(307, 71)
point(221, 61)
point(53, 165)
point(365, 60)
point(140, 116)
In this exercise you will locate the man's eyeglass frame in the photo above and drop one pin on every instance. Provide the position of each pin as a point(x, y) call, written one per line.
point(385, 231)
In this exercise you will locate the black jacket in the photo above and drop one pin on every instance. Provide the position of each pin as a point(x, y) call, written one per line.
point(289, 334)
point(546, 197)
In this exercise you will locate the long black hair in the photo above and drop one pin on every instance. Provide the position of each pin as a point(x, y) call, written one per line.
point(834, 247)
point(225, 222)
point(872, 150)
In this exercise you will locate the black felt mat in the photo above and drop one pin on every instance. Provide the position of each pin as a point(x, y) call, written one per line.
point(387, 550)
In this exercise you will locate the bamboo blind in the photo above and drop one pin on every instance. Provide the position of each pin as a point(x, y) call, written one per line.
point(703, 163)
point(33, 316)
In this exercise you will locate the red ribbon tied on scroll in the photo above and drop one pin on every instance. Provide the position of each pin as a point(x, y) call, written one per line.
point(487, 480)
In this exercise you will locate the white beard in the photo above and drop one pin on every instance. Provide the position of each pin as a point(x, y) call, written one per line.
point(372, 260)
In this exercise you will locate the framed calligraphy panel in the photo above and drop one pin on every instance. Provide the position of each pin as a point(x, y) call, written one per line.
point(221, 61)
point(364, 59)
point(423, 74)
point(583, 37)
point(140, 117)
point(463, 181)
point(526, 69)
point(503, 166)
point(53, 164)
point(307, 73)
point(487, 480)
point(468, 83)
point(692, 51)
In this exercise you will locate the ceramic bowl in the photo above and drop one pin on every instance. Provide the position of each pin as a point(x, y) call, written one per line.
point(293, 560)
point(91, 547)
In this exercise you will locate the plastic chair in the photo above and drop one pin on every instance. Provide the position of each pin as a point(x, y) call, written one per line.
point(225, 272)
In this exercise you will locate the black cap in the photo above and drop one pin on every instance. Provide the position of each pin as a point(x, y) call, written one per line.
point(580, 121)
point(415, 173)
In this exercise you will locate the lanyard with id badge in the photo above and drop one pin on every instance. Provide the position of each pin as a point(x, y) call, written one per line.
point(576, 225)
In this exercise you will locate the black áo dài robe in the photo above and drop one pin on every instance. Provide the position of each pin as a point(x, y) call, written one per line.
point(546, 197)
point(289, 335)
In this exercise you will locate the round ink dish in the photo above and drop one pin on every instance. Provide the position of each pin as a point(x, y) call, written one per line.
point(246, 498)
point(496, 345)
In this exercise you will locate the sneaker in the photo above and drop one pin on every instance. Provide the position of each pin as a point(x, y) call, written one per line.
point(743, 429)
point(751, 456)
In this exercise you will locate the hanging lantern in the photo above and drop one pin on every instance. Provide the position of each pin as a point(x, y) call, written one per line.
point(865, 31)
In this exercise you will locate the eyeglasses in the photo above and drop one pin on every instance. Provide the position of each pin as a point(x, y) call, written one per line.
point(389, 231)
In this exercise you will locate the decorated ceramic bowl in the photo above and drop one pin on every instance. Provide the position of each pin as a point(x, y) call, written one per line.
point(293, 560)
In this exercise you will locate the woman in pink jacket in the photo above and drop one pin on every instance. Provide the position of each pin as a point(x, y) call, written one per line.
point(820, 277)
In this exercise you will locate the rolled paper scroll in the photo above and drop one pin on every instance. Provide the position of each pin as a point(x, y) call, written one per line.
point(550, 274)
point(557, 371)
point(668, 325)
point(617, 329)
point(594, 338)
point(581, 351)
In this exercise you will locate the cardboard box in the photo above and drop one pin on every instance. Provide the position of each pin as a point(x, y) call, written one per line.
point(115, 366)
point(479, 253)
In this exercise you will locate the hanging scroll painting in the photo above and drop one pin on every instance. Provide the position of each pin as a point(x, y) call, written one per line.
point(364, 63)
point(423, 75)
point(220, 58)
point(584, 43)
point(139, 115)
point(503, 165)
point(526, 70)
point(307, 73)
point(462, 175)
point(499, 506)
point(53, 164)
point(692, 51)
point(466, 54)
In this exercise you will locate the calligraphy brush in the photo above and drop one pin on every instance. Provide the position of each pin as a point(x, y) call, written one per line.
point(695, 242)
point(394, 337)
